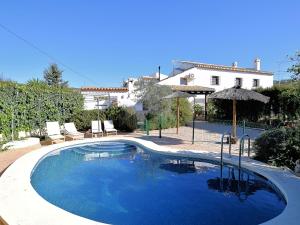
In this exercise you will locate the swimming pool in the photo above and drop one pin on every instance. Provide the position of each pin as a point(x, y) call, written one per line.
point(121, 183)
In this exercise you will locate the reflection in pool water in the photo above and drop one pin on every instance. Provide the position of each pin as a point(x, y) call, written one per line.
point(119, 183)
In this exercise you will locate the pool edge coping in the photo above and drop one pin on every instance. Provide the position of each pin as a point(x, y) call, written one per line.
point(21, 204)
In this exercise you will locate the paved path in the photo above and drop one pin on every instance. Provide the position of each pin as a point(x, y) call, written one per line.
point(9, 156)
point(207, 137)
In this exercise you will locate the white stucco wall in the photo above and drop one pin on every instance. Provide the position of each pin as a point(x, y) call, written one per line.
point(123, 99)
point(227, 79)
point(202, 77)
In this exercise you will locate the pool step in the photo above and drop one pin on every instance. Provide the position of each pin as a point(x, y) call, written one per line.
point(97, 149)
point(108, 147)
point(102, 154)
point(127, 148)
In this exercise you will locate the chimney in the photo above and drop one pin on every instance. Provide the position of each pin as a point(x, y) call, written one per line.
point(159, 73)
point(257, 64)
point(234, 64)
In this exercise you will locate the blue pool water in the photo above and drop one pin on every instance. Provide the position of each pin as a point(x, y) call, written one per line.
point(119, 183)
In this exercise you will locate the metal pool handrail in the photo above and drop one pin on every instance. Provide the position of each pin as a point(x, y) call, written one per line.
point(241, 150)
point(222, 145)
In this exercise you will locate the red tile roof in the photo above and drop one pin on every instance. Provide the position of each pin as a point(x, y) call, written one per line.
point(104, 89)
point(227, 68)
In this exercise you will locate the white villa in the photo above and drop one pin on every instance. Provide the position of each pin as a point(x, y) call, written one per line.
point(218, 77)
point(187, 76)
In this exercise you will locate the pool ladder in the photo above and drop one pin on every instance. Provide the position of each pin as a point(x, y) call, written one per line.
point(241, 148)
point(225, 135)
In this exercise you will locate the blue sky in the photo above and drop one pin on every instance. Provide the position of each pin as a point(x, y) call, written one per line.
point(107, 41)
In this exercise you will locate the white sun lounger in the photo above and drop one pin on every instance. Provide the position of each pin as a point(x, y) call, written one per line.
point(53, 131)
point(72, 132)
point(109, 127)
point(96, 128)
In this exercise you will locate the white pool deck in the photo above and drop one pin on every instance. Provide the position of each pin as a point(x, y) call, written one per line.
point(20, 204)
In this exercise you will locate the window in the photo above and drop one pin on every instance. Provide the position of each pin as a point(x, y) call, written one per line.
point(238, 82)
point(215, 80)
point(183, 81)
point(255, 82)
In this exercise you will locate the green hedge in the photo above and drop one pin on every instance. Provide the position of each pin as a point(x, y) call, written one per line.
point(124, 119)
point(223, 110)
point(30, 105)
point(284, 105)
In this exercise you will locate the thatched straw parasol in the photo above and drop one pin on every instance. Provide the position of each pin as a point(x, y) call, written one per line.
point(238, 94)
point(177, 95)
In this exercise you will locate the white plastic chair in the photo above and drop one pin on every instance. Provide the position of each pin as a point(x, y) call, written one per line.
point(109, 127)
point(72, 132)
point(53, 131)
point(96, 128)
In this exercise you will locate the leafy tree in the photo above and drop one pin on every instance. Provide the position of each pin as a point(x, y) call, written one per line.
point(290, 97)
point(53, 76)
point(151, 95)
point(295, 69)
point(158, 109)
point(185, 110)
point(198, 110)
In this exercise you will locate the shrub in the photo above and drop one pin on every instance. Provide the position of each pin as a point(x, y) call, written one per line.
point(125, 119)
point(279, 147)
point(167, 120)
point(270, 144)
point(113, 112)
point(83, 119)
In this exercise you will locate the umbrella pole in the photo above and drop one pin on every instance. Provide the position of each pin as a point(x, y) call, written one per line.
point(177, 116)
point(193, 138)
point(234, 121)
